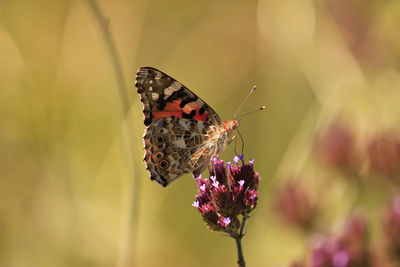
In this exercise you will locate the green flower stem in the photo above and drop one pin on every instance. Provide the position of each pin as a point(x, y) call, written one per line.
point(238, 239)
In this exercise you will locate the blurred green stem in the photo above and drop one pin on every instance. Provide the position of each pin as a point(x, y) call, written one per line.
point(105, 27)
point(238, 239)
point(126, 257)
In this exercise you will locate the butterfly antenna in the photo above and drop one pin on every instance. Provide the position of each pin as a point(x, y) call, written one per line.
point(234, 150)
point(251, 112)
point(241, 138)
point(244, 101)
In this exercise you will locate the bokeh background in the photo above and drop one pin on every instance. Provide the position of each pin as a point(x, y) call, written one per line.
point(73, 187)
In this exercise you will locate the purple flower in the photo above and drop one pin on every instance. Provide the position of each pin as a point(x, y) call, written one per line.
point(384, 154)
point(224, 221)
point(348, 248)
point(294, 205)
point(391, 223)
point(195, 204)
point(229, 192)
point(335, 146)
point(340, 259)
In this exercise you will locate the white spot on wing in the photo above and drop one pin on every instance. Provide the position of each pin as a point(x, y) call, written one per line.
point(175, 86)
point(180, 143)
point(155, 96)
point(168, 91)
point(183, 123)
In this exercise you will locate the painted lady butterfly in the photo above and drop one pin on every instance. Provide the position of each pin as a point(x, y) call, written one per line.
point(183, 133)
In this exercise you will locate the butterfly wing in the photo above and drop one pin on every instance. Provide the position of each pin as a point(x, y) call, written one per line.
point(182, 130)
point(163, 96)
point(175, 146)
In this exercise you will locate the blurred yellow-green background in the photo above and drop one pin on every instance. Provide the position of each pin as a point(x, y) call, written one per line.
point(73, 188)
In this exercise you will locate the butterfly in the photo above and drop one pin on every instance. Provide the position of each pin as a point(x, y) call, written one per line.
point(182, 132)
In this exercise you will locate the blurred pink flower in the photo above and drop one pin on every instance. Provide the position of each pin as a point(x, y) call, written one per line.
point(347, 249)
point(384, 154)
point(355, 20)
point(391, 223)
point(293, 204)
point(335, 146)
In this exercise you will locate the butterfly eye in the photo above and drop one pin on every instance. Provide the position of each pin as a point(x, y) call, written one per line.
point(164, 164)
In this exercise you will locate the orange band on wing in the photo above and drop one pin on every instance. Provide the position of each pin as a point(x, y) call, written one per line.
point(174, 109)
point(202, 117)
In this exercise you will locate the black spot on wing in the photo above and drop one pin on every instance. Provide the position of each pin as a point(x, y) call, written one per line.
point(161, 103)
point(190, 115)
point(187, 135)
point(164, 181)
point(180, 94)
point(140, 89)
point(202, 110)
point(148, 121)
point(187, 100)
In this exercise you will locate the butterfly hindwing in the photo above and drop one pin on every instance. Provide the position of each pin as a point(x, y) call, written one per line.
point(175, 146)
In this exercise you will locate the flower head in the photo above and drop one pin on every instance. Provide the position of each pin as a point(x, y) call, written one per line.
point(346, 249)
point(229, 192)
point(295, 206)
point(335, 146)
point(384, 154)
point(391, 222)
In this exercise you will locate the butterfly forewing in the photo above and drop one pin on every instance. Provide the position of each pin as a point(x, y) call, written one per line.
point(163, 96)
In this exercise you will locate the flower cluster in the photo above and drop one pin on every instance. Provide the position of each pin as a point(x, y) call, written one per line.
point(391, 222)
point(294, 205)
point(384, 154)
point(226, 195)
point(377, 154)
point(347, 249)
point(335, 146)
